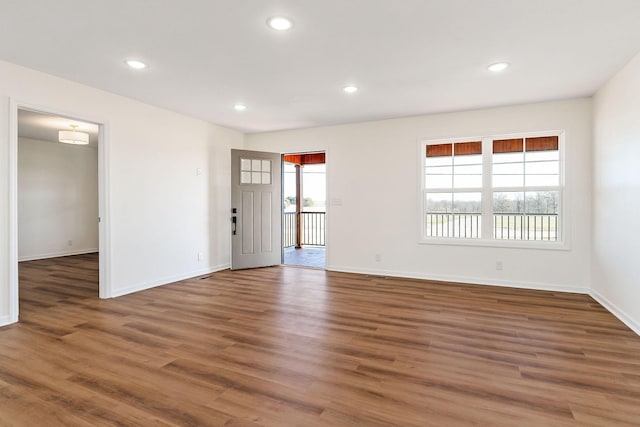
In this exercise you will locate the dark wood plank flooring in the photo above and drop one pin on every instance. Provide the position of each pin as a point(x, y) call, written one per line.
point(294, 347)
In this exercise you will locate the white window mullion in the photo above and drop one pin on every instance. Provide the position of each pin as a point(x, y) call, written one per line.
point(487, 192)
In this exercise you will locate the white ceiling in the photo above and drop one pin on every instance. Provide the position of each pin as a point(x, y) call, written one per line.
point(409, 57)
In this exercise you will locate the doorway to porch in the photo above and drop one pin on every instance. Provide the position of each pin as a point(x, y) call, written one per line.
point(304, 209)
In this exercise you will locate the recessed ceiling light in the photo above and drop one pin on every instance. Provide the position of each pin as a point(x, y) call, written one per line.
point(239, 107)
point(498, 66)
point(134, 63)
point(350, 89)
point(280, 23)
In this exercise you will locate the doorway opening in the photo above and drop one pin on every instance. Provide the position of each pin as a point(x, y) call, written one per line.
point(304, 204)
point(57, 195)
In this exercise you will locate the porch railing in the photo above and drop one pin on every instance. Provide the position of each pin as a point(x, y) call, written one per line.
point(506, 226)
point(312, 228)
point(289, 222)
point(463, 225)
point(524, 226)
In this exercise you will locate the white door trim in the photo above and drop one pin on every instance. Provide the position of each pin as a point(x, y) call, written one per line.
point(103, 199)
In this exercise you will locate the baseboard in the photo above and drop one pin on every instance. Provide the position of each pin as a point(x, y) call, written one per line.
point(6, 320)
point(616, 311)
point(462, 279)
point(166, 280)
point(57, 254)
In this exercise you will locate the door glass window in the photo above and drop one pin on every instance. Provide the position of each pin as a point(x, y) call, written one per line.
point(255, 171)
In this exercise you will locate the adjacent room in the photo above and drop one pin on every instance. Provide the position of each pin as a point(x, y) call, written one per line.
point(57, 211)
point(336, 213)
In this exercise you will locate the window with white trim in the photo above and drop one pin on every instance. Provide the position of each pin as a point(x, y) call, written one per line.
point(492, 189)
point(526, 188)
point(453, 189)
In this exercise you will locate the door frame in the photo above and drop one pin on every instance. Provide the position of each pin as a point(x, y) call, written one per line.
point(329, 202)
point(104, 244)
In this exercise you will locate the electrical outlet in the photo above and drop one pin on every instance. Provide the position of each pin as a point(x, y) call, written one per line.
point(70, 242)
point(200, 256)
point(499, 265)
point(378, 257)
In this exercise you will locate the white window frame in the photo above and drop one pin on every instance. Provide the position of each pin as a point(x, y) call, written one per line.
point(487, 190)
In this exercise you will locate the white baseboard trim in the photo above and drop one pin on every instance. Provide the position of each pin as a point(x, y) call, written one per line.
point(616, 311)
point(6, 320)
point(57, 254)
point(166, 280)
point(463, 279)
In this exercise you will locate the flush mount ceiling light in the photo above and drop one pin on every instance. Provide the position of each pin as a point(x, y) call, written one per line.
point(239, 107)
point(135, 64)
point(73, 136)
point(350, 89)
point(498, 66)
point(280, 23)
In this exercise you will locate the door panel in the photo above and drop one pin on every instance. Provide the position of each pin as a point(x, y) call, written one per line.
point(267, 218)
point(255, 201)
point(246, 230)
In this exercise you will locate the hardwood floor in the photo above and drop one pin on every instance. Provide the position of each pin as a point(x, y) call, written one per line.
point(293, 347)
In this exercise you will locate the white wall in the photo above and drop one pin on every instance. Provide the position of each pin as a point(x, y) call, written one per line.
point(161, 213)
point(57, 199)
point(372, 169)
point(616, 203)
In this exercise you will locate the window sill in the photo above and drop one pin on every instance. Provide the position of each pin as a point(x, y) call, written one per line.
point(513, 244)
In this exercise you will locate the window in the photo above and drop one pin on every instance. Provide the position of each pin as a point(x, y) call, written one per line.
point(255, 171)
point(453, 189)
point(492, 189)
point(526, 188)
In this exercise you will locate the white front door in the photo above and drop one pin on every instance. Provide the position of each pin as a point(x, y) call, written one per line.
point(255, 209)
